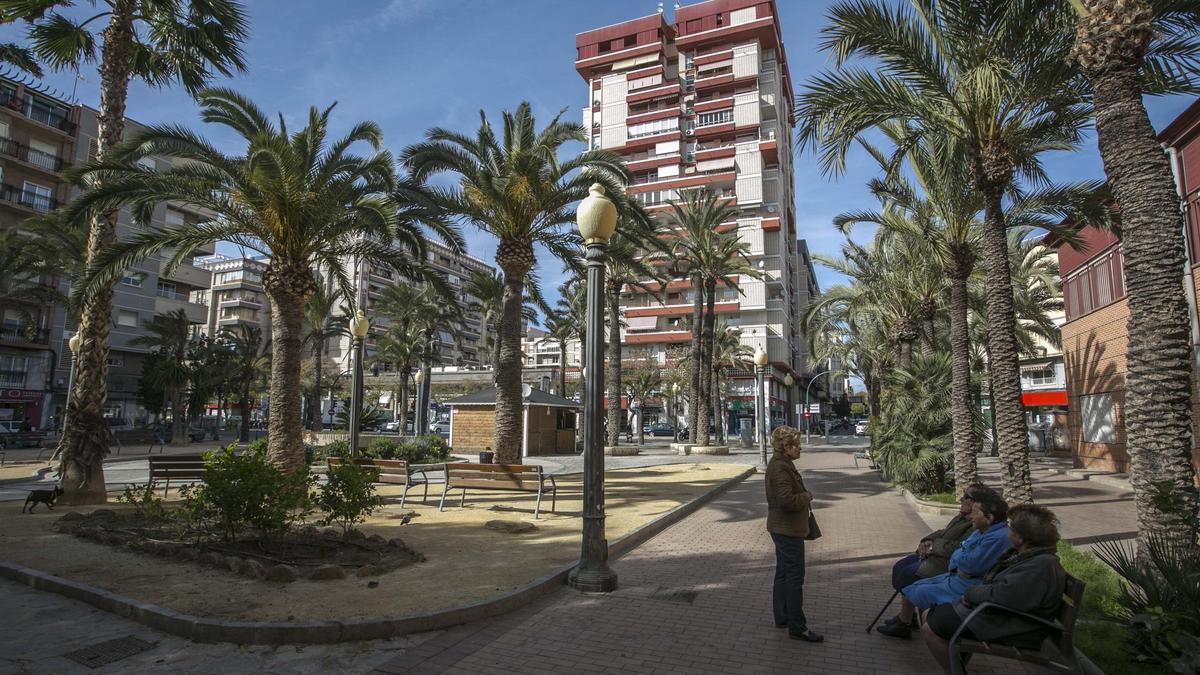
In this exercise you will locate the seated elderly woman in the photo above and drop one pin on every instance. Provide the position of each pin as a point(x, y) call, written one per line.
point(932, 556)
point(1028, 578)
point(974, 557)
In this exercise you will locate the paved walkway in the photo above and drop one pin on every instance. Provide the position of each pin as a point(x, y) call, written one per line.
point(695, 599)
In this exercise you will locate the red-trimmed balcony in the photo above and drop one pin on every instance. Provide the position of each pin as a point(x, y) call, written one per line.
point(666, 336)
point(650, 93)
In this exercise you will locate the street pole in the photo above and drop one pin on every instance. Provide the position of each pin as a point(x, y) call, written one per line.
point(807, 414)
point(73, 344)
point(597, 218)
point(358, 330)
point(760, 413)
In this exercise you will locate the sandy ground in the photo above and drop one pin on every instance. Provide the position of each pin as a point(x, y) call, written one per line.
point(20, 470)
point(465, 562)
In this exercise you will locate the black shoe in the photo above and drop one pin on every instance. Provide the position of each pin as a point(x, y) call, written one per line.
point(897, 630)
point(807, 636)
point(892, 621)
point(781, 625)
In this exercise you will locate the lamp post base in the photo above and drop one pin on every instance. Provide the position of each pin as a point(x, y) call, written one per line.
point(594, 578)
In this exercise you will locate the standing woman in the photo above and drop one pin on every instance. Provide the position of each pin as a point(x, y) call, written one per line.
point(790, 522)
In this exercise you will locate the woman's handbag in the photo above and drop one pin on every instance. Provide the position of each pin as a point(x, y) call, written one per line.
point(814, 530)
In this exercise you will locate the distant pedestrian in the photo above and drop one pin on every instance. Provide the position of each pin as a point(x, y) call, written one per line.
point(26, 425)
point(790, 522)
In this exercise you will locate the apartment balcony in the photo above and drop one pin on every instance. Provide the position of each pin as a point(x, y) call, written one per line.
point(45, 161)
point(171, 302)
point(188, 275)
point(241, 302)
point(24, 105)
point(12, 335)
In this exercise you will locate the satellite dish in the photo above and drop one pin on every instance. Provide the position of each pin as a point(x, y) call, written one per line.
point(526, 390)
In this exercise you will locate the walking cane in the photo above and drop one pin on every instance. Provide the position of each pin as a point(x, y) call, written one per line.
point(889, 604)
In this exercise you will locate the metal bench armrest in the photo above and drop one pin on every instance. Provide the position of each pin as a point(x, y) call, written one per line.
point(414, 473)
point(1053, 625)
point(553, 485)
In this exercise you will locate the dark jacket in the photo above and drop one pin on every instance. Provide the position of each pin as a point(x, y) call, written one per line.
point(945, 542)
point(1031, 582)
point(787, 500)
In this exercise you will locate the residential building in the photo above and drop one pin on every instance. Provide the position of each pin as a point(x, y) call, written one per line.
point(236, 294)
point(704, 103)
point(37, 141)
point(1044, 393)
point(146, 290)
point(1095, 334)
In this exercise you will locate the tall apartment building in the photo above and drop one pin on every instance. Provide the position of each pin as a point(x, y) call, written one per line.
point(37, 141)
point(235, 295)
point(1095, 337)
point(462, 345)
point(704, 103)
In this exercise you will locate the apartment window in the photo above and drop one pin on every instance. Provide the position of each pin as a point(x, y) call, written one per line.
point(1099, 283)
point(605, 47)
point(1038, 376)
point(654, 127)
point(630, 41)
point(1098, 418)
point(148, 164)
point(43, 154)
point(4, 130)
point(127, 318)
point(709, 119)
point(166, 289)
point(12, 371)
point(36, 197)
point(133, 279)
point(115, 361)
point(720, 19)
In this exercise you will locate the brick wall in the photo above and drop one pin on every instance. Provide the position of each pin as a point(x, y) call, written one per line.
point(1094, 349)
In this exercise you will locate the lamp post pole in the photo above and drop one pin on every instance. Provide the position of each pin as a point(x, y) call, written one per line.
point(358, 330)
point(597, 218)
point(760, 415)
point(807, 414)
point(788, 383)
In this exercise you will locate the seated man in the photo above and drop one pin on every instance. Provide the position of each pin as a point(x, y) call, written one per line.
point(932, 556)
point(1029, 578)
point(975, 556)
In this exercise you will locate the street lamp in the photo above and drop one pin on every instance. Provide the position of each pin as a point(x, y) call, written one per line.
point(358, 332)
point(597, 219)
point(788, 382)
point(419, 404)
point(807, 414)
point(760, 362)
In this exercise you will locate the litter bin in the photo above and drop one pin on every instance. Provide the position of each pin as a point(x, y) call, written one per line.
point(486, 457)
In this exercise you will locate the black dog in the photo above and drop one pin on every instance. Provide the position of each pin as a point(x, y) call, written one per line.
point(46, 497)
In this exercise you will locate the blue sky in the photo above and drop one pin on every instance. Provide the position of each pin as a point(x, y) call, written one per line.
point(413, 64)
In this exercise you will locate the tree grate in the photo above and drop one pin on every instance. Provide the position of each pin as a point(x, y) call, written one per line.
point(680, 595)
point(109, 651)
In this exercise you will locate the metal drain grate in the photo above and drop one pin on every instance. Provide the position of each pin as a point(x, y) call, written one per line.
point(680, 595)
point(109, 651)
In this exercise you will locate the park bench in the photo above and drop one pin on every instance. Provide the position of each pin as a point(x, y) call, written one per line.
point(391, 471)
point(510, 477)
point(175, 467)
point(22, 439)
point(1057, 651)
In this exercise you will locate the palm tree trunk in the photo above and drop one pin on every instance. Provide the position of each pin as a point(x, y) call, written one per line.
point(966, 443)
point(515, 259)
point(402, 414)
point(1012, 434)
point(987, 349)
point(496, 356)
point(178, 432)
point(288, 287)
point(614, 365)
point(562, 369)
point(318, 355)
point(696, 403)
point(85, 441)
point(244, 405)
point(1158, 383)
point(706, 345)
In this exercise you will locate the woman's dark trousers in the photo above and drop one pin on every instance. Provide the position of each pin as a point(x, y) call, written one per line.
point(788, 596)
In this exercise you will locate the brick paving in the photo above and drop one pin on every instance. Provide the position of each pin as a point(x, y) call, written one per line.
point(696, 599)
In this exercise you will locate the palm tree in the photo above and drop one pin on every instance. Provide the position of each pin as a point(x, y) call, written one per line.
point(169, 336)
point(692, 224)
point(561, 328)
point(158, 43)
point(399, 345)
point(297, 197)
point(249, 358)
point(321, 322)
point(728, 353)
point(27, 269)
point(987, 75)
point(487, 292)
point(515, 188)
point(641, 382)
point(1126, 50)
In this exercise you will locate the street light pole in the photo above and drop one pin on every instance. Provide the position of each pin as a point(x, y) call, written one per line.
point(760, 370)
point(358, 331)
point(597, 219)
point(807, 414)
point(73, 344)
point(788, 383)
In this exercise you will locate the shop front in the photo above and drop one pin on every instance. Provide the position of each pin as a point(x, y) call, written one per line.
point(18, 405)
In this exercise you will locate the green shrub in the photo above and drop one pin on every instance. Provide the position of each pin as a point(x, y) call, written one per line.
point(244, 491)
point(431, 448)
point(144, 500)
point(348, 497)
point(912, 442)
point(258, 445)
point(338, 448)
point(382, 448)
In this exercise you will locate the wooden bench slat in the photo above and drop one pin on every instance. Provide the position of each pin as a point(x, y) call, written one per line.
point(521, 486)
point(498, 468)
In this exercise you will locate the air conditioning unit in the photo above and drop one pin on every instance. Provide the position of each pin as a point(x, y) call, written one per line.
point(689, 157)
point(689, 132)
point(596, 102)
point(595, 125)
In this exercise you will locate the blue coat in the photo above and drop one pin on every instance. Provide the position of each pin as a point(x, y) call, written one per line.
point(975, 556)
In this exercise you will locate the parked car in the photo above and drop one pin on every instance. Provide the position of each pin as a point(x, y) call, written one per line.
point(440, 428)
point(660, 429)
point(860, 428)
point(392, 427)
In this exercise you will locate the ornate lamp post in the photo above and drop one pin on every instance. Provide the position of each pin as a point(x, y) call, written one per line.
point(597, 219)
point(760, 363)
point(788, 383)
point(358, 332)
point(419, 404)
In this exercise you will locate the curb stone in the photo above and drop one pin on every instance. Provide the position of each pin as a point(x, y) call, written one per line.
point(923, 506)
point(201, 629)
